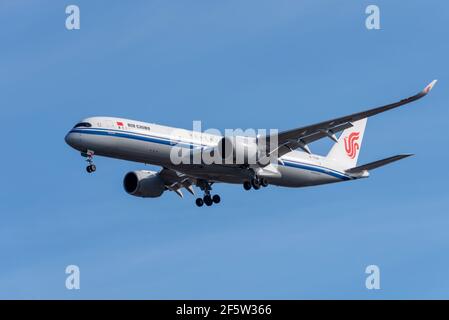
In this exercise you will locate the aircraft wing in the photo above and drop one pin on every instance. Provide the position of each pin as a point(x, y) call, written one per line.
point(300, 137)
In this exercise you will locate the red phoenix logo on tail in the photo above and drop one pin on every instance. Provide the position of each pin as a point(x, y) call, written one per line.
point(351, 145)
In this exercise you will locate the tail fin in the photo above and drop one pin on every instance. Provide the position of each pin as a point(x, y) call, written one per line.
point(346, 150)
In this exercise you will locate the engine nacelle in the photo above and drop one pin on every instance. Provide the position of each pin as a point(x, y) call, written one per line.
point(238, 150)
point(143, 183)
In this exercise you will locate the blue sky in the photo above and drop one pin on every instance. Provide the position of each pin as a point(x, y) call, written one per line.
point(230, 64)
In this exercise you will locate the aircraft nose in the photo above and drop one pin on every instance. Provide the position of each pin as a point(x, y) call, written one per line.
point(74, 140)
point(70, 139)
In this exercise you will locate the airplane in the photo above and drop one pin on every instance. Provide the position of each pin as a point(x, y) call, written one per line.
point(291, 164)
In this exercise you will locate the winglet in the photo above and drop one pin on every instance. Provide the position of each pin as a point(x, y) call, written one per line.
point(429, 87)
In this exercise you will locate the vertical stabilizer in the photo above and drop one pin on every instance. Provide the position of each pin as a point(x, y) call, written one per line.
point(346, 151)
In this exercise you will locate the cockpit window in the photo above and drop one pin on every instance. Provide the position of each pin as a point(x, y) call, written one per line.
point(83, 124)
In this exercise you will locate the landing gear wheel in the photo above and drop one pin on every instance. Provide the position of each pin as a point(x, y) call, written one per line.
point(91, 168)
point(199, 202)
point(255, 183)
point(208, 200)
point(247, 185)
point(264, 182)
point(216, 198)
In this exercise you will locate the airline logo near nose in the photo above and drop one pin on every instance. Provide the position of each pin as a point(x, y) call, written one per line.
point(351, 145)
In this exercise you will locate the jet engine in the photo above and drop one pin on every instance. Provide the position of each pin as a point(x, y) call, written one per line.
point(143, 183)
point(238, 150)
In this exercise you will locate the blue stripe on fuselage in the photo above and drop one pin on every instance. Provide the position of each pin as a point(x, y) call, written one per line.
point(169, 142)
point(300, 165)
point(135, 136)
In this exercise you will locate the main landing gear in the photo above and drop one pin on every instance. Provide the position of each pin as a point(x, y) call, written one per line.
point(207, 200)
point(255, 183)
point(89, 158)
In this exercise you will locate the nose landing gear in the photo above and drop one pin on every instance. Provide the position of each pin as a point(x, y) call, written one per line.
point(89, 159)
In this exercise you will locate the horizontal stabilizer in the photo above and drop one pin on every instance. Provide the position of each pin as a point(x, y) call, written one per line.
point(377, 164)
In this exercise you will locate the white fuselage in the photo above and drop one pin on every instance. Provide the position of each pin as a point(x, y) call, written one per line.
point(152, 144)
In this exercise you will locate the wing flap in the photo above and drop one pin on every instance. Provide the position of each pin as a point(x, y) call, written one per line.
point(175, 181)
